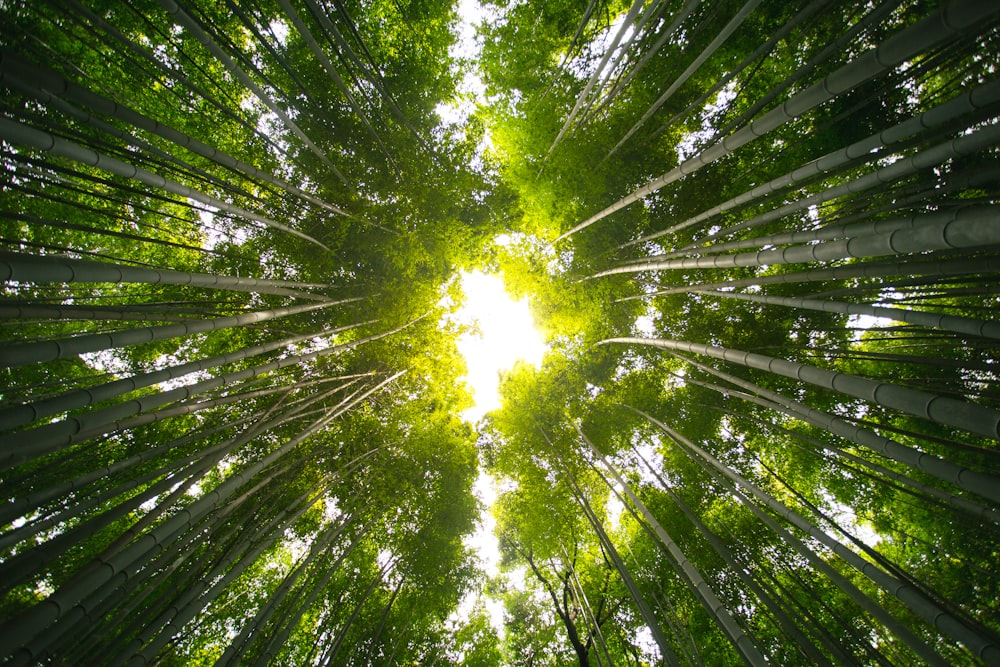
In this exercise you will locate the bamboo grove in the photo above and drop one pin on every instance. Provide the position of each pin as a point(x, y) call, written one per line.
point(762, 241)
point(225, 440)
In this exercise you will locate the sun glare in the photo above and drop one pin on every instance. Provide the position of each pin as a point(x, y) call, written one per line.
point(504, 333)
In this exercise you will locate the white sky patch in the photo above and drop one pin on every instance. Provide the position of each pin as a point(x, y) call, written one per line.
point(470, 14)
point(675, 380)
point(106, 361)
point(295, 545)
point(487, 548)
point(844, 515)
point(647, 449)
point(614, 508)
point(585, 66)
point(863, 323)
point(645, 325)
point(280, 30)
point(466, 47)
point(504, 332)
point(688, 145)
point(484, 540)
point(643, 639)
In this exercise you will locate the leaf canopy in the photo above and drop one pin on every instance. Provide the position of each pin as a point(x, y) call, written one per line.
point(759, 238)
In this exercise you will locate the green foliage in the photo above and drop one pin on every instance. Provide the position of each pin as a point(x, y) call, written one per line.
point(584, 291)
point(803, 483)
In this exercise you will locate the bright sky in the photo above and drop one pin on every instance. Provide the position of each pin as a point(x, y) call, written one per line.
point(504, 330)
point(484, 541)
point(471, 87)
point(505, 333)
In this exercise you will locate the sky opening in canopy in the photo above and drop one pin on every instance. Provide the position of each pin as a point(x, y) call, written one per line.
point(503, 334)
point(758, 240)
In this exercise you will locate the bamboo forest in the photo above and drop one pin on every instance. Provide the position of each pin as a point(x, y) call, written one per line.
point(760, 240)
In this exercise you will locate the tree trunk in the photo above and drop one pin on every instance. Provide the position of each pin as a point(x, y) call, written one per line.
point(937, 28)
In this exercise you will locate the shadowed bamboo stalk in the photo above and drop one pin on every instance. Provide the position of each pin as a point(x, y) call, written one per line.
point(46, 269)
point(63, 348)
point(788, 626)
point(24, 636)
point(616, 560)
point(948, 22)
point(191, 25)
point(970, 143)
point(256, 625)
point(971, 101)
point(761, 52)
point(914, 270)
point(923, 606)
point(331, 71)
point(633, 12)
point(19, 133)
point(31, 561)
point(885, 446)
point(966, 326)
point(32, 411)
point(342, 632)
point(866, 25)
point(958, 229)
point(716, 608)
point(662, 38)
point(717, 469)
point(194, 599)
point(36, 497)
point(40, 82)
point(27, 445)
point(169, 74)
point(934, 407)
point(713, 46)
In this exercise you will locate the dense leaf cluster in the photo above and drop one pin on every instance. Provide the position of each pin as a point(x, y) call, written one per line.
point(759, 237)
point(767, 270)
